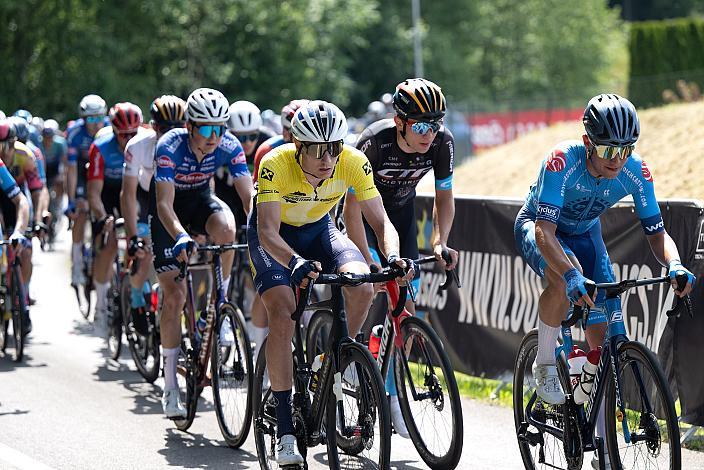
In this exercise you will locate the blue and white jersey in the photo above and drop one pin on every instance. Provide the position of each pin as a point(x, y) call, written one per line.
point(567, 195)
point(176, 163)
point(79, 141)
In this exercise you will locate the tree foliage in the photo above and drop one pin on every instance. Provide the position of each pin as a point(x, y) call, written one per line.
point(271, 51)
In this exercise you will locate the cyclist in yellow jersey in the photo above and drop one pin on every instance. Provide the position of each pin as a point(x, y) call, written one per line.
point(290, 226)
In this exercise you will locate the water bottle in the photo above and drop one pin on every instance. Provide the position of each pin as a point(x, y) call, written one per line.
point(586, 381)
point(576, 359)
point(315, 368)
point(202, 322)
point(375, 340)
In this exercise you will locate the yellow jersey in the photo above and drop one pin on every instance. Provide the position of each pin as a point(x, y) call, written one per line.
point(281, 179)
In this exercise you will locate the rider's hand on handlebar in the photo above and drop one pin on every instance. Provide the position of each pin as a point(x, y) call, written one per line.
point(135, 247)
point(183, 247)
point(676, 268)
point(437, 251)
point(406, 264)
point(19, 241)
point(302, 270)
point(575, 288)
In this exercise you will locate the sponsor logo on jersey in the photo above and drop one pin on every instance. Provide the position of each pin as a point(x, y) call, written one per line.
point(239, 158)
point(266, 174)
point(191, 177)
point(654, 228)
point(367, 167)
point(646, 172)
point(165, 162)
point(556, 161)
point(548, 212)
point(277, 277)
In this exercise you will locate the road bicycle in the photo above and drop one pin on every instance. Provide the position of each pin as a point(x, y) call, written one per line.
point(426, 385)
point(343, 405)
point(641, 424)
point(13, 299)
point(231, 370)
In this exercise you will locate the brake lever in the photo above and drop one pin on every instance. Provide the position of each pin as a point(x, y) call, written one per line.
point(586, 310)
point(681, 302)
point(450, 274)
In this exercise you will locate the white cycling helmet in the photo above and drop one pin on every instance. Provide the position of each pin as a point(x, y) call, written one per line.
point(319, 122)
point(245, 117)
point(207, 105)
point(92, 105)
point(2, 115)
point(51, 126)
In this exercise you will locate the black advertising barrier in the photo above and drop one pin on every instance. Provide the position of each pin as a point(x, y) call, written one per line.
point(482, 323)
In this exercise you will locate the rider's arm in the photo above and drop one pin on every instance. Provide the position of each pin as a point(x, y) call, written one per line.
point(128, 203)
point(96, 168)
point(663, 247)
point(355, 227)
point(268, 224)
point(443, 215)
point(245, 190)
point(36, 186)
point(22, 207)
point(165, 191)
point(378, 220)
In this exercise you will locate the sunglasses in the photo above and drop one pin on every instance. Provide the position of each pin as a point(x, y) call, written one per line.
point(608, 152)
point(126, 135)
point(318, 150)
point(423, 127)
point(94, 119)
point(247, 137)
point(207, 130)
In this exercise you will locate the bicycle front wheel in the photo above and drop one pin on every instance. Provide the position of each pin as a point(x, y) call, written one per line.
point(428, 395)
point(19, 312)
point(114, 319)
point(359, 412)
point(649, 420)
point(539, 448)
point(232, 377)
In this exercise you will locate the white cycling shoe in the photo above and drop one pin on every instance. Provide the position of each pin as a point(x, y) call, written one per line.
point(397, 418)
point(549, 388)
point(287, 451)
point(227, 336)
point(595, 462)
point(172, 406)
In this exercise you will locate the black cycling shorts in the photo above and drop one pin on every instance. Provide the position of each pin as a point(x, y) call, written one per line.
point(111, 202)
point(229, 196)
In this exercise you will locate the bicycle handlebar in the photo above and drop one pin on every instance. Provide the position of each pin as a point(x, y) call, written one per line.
point(615, 289)
point(182, 266)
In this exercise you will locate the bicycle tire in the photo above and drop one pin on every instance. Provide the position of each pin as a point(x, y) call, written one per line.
point(411, 328)
point(523, 381)
point(232, 367)
point(115, 315)
point(4, 330)
point(143, 349)
point(369, 397)
point(317, 334)
point(188, 360)
point(631, 355)
point(19, 313)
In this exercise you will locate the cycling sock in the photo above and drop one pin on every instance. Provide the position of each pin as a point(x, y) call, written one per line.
point(391, 381)
point(101, 292)
point(170, 363)
point(226, 284)
point(284, 420)
point(77, 253)
point(257, 335)
point(137, 297)
point(547, 342)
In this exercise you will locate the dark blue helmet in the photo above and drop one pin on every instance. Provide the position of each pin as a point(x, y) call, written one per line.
point(21, 128)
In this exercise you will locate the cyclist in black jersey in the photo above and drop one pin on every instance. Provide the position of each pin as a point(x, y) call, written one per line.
point(401, 151)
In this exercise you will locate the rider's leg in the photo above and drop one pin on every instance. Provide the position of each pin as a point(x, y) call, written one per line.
point(259, 327)
point(358, 299)
point(220, 227)
point(26, 261)
point(174, 295)
point(77, 235)
point(280, 304)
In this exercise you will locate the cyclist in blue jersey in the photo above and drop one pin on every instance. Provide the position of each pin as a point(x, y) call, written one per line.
point(55, 152)
point(80, 136)
point(558, 232)
point(105, 165)
point(16, 220)
point(186, 160)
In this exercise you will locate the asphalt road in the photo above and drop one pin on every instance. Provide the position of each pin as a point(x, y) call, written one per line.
point(68, 406)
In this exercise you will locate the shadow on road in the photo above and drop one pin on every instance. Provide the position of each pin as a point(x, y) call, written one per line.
point(7, 363)
point(195, 451)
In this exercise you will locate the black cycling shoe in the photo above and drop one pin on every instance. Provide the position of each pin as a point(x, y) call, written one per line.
point(140, 320)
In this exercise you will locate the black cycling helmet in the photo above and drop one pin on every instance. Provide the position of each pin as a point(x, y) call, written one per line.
point(611, 120)
point(419, 99)
point(168, 111)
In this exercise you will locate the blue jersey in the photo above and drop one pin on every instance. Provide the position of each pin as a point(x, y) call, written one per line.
point(79, 142)
point(177, 164)
point(106, 160)
point(56, 151)
point(567, 195)
point(9, 185)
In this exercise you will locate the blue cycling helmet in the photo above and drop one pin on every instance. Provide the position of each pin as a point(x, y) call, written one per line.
point(611, 120)
point(24, 114)
point(21, 128)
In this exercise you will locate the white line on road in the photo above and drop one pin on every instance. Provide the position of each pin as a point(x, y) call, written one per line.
point(19, 460)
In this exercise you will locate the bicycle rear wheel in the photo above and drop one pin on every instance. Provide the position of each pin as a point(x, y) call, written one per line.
point(232, 378)
point(188, 383)
point(361, 417)
point(144, 349)
point(317, 334)
point(428, 395)
point(115, 318)
point(19, 312)
point(649, 417)
point(539, 449)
